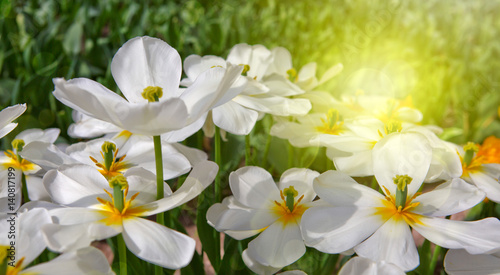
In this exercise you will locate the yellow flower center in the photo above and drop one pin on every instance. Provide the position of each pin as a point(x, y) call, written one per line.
point(116, 168)
point(488, 152)
point(390, 210)
point(332, 125)
point(152, 93)
point(291, 74)
point(113, 216)
point(289, 213)
point(18, 163)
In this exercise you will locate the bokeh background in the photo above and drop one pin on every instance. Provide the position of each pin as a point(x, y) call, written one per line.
point(445, 54)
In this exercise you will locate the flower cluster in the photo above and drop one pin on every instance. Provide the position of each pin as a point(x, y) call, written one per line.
point(392, 177)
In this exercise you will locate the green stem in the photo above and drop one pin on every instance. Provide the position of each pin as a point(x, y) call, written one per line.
point(248, 156)
point(160, 218)
point(435, 256)
point(24, 188)
point(122, 254)
point(217, 192)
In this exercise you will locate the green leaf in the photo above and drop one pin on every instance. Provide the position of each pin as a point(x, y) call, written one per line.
point(73, 39)
point(206, 232)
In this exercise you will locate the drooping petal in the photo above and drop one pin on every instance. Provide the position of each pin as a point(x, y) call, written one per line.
point(275, 105)
point(364, 266)
point(337, 229)
point(146, 61)
point(402, 154)
point(63, 238)
point(278, 246)
point(459, 262)
point(200, 178)
point(488, 184)
point(448, 198)
point(75, 185)
point(87, 260)
point(234, 118)
point(253, 187)
point(157, 244)
point(392, 243)
point(302, 180)
point(338, 189)
point(476, 237)
point(256, 266)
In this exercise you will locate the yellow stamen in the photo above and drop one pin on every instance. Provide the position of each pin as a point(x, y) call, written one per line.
point(152, 93)
point(332, 125)
point(488, 152)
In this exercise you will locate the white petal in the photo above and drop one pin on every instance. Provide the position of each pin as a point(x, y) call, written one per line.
point(402, 154)
point(275, 105)
point(282, 61)
point(279, 85)
point(234, 118)
point(257, 57)
point(476, 237)
point(7, 115)
point(253, 187)
point(194, 65)
point(360, 164)
point(87, 260)
point(302, 181)
point(77, 185)
point(488, 184)
point(243, 219)
point(337, 229)
point(200, 178)
point(30, 239)
point(256, 266)
point(459, 262)
point(36, 189)
point(89, 127)
point(307, 71)
point(46, 155)
point(146, 61)
point(330, 73)
point(392, 243)
point(184, 133)
point(157, 244)
point(194, 155)
point(63, 238)
point(278, 246)
point(30, 135)
point(339, 189)
point(448, 198)
point(364, 266)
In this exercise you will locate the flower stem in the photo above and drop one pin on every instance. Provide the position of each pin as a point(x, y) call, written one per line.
point(248, 156)
point(217, 192)
point(122, 254)
point(435, 256)
point(24, 188)
point(160, 218)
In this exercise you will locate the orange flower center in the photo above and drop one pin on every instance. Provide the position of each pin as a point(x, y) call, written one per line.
point(489, 152)
point(390, 210)
point(113, 216)
point(286, 215)
point(23, 164)
point(116, 167)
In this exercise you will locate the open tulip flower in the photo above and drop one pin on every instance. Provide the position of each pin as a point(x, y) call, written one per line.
point(274, 211)
point(96, 209)
point(377, 226)
point(481, 166)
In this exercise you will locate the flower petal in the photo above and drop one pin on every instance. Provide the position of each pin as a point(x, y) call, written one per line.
point(275, 105)
point(488, 184)
point(256, 266)
point(46, 155)
point(339, 189)
point(337, 229)
point(459, 262)
point(302, 181)
point(157, 244)
point(200, 178)
point(253, 187)
point(30, 242)
point(364, 266)
point(243, 219)
point(448, 198)
point(7, 115)
point(476, 237)
point(234, 118)
point(392, 243)
point(277, 246)
point(402, 154)
point(146, 61)
point(87, 260)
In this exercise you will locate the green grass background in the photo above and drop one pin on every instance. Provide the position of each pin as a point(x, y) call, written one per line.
point(445, 54)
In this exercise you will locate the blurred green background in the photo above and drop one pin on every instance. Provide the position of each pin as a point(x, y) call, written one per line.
point(442, 53)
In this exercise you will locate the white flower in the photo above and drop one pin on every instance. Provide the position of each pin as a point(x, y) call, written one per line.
point(91, 214)
point(274, 211)
point(459, 262)
point(364, 266)
point(7, 115)
point(377, 226)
